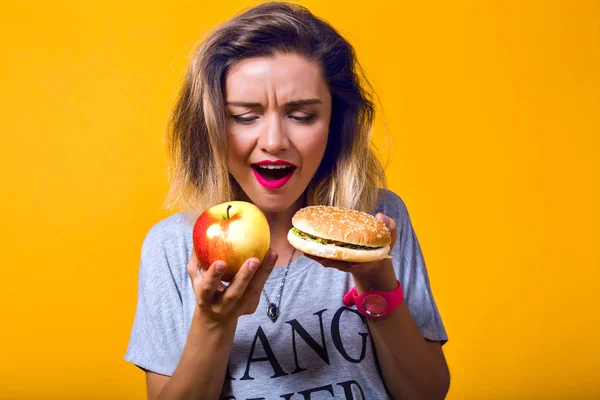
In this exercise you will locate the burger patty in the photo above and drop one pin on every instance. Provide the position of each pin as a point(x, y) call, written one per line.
point(317, 239)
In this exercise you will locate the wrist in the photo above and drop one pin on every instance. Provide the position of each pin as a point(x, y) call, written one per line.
point(381, 278)
point(212, 323)
point(376, 297)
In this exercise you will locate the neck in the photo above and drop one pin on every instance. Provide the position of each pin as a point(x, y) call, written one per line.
point(280, 223)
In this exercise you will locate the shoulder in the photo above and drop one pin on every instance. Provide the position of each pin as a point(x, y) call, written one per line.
point(174, 228)
point(392, 205)
point(167, 246)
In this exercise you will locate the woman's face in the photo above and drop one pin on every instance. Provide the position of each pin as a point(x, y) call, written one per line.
point(279, 108)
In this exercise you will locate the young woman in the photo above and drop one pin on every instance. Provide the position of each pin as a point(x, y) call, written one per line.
point(276, 85)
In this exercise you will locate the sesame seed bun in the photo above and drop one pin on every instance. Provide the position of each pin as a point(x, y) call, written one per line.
point(335, 233)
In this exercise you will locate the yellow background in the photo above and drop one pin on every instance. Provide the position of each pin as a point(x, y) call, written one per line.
point(494, 112)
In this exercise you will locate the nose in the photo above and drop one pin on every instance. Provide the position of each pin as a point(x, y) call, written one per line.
point(273, 137)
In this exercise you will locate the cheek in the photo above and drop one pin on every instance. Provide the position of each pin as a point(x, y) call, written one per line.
point(312, 146)
point(239, 148)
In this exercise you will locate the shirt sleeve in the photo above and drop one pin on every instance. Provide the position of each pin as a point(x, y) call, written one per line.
point(155, 343)
point(412, 273)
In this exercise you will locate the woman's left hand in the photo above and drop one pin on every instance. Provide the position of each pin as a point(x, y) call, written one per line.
point(376, 275)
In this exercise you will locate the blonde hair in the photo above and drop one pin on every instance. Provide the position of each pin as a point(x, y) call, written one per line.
point(350, 172)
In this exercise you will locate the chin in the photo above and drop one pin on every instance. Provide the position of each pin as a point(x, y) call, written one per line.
point(272, 203)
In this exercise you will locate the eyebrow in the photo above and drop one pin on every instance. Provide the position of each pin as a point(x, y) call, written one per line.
point(293, 103)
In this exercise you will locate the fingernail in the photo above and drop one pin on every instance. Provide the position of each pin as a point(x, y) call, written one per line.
point(272, 256)
point(219, 267)
point(253, 265)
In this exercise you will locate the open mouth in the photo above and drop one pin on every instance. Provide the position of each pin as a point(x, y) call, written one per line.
point(273, 172)
point(273, 176)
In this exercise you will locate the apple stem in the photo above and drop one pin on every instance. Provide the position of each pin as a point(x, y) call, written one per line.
point(228, 207)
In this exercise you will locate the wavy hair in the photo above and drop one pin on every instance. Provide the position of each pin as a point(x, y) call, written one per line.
point(350, 172)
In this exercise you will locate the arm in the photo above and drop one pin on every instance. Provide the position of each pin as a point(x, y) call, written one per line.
point(201, 369)
point(412, 367)
point(200, 372)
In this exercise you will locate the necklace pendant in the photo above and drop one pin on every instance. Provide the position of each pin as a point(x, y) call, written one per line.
point(272, 312)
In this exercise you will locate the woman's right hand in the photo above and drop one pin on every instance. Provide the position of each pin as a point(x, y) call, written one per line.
point(221, 303)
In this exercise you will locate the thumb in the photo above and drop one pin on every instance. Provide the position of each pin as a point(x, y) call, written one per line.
point(390, 224)
point(384, 218)
point(193, 267)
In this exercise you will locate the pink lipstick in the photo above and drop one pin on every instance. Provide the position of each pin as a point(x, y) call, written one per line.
point(273, 174)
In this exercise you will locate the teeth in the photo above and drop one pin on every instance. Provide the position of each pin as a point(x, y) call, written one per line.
point(265, 166)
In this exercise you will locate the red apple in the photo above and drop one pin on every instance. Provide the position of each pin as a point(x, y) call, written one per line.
point(232, 232)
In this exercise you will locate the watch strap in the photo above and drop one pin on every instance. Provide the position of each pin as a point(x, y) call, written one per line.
point(375, 303)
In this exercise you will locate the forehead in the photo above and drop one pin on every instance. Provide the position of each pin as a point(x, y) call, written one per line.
point(281, 78)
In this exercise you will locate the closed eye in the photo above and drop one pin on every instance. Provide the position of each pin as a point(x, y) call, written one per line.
point(303, 119)
point(243, 119)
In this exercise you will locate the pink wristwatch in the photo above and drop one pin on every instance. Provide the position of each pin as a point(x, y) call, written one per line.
point(375, 303)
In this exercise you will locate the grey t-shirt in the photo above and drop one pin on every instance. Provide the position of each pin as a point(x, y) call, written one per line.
point(317, 349)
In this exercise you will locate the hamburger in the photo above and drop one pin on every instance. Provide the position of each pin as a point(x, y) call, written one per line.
point(339, 234)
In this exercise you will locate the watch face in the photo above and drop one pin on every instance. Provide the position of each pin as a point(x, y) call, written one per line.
point(375, 305)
